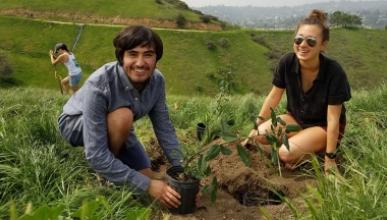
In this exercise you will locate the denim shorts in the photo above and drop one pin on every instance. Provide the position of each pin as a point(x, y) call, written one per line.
point(133, 153)
point(75, 79)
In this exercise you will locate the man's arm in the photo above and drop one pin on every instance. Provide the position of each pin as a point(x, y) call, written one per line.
point(97, 152)
point(164, 129)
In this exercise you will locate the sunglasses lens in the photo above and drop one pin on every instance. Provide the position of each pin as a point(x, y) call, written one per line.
point(298, 40)
point(311, 42)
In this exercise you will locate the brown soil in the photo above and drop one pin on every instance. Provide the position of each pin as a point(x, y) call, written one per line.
point(90, 18)
point(256, 183)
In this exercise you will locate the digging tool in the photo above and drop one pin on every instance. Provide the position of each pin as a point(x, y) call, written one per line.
point(57, 77)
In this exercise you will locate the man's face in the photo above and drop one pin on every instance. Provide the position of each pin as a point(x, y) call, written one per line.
point(139, 63)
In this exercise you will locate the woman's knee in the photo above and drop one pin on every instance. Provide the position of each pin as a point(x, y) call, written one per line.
point(286, 155)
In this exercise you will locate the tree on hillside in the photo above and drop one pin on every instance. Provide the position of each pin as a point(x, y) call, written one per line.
point(181, 21)
point(342, 19)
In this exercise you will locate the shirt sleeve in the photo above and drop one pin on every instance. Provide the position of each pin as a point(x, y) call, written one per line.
point(164, 130)
point(95, 138)
point(279, 74)
point(339, 89)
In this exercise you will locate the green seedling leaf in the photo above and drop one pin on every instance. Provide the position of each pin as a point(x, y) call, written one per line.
point(271, 139)
point(282, 122)
point(273, 117)
point(285, 141)
point(274, 156)
point(225, 150)
point(244, 155)
point(279, 131)
point(292, 128)
point(213, 152)
point(206, 188)
point(229, 137)
point(213, 189)
point(204, 169)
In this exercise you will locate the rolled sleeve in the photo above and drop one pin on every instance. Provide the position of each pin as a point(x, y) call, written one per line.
point(339, 90)
point(95, 138)
point(164, 130)
point(279, 75)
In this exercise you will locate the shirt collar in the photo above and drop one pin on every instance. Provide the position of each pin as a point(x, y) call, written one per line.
point(322, 70)
point(124, 78)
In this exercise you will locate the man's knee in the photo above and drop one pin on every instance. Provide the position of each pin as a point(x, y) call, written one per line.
point(120, 120)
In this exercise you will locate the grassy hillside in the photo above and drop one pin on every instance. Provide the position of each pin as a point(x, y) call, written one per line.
point(39, 172)
point(187, 62)
point(163, 13)
point(194, 61)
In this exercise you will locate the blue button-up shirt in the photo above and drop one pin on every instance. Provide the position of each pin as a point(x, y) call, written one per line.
point(106, 90)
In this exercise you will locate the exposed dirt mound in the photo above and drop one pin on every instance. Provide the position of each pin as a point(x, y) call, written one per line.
point(250, 185)
point(245, 191)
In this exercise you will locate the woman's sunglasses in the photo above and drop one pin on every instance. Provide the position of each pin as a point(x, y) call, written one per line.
point(311, 41)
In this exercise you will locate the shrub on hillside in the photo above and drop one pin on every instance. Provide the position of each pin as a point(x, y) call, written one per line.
point(205, 18)
point(211, 45)
point(5, 68)
point(224, 42)
point(178, 4)
point(181, 21)
point(159, 2)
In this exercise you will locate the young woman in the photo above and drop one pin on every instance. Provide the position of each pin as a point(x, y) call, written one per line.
point(70, 84)
point(316, 88)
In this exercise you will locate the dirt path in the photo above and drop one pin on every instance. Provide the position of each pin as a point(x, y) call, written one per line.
point(95, 20)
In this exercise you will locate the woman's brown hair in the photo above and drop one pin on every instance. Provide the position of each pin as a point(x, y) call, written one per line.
point(319, 18)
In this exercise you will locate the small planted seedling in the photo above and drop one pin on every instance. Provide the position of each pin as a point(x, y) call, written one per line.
point(278, 135)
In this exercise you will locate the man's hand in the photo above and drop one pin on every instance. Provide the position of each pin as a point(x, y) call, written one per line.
point(164, 193)
point(330, 165)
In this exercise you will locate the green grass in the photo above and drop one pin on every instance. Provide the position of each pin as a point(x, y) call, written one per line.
point(186, 63)
point(110, 8)
point(39, 170)
point(189, 66)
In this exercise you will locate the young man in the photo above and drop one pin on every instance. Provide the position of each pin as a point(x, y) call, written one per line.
point(100, 116)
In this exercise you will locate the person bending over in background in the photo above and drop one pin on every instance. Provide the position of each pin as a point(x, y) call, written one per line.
point(101, 115)
point(61, 54)
point(316, 88)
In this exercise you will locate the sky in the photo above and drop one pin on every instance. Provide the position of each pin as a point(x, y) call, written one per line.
point(259, 3)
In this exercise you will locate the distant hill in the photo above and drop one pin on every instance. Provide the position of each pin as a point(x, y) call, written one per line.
point(194, 61)
point(155, 13)
point(373, 13)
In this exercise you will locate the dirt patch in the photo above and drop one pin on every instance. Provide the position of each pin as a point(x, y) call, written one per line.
point(117, 20)
point(257, 186)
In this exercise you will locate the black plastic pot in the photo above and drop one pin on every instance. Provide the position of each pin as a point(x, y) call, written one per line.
point(200, 128)
point(187, 190)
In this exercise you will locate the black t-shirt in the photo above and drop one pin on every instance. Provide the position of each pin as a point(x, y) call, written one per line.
point(330, 87)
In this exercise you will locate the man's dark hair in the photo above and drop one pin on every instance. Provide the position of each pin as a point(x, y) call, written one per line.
point(134, 36)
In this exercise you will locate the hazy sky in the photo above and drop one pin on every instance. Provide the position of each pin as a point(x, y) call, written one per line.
point(260, 3)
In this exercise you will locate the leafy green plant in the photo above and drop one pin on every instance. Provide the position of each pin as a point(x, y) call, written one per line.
point(278, 135)
point(221, 126)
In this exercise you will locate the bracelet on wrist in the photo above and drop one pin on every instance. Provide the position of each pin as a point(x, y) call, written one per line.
point(331, 155)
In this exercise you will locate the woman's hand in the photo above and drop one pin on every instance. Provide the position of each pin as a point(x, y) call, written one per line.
point(330, 165)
